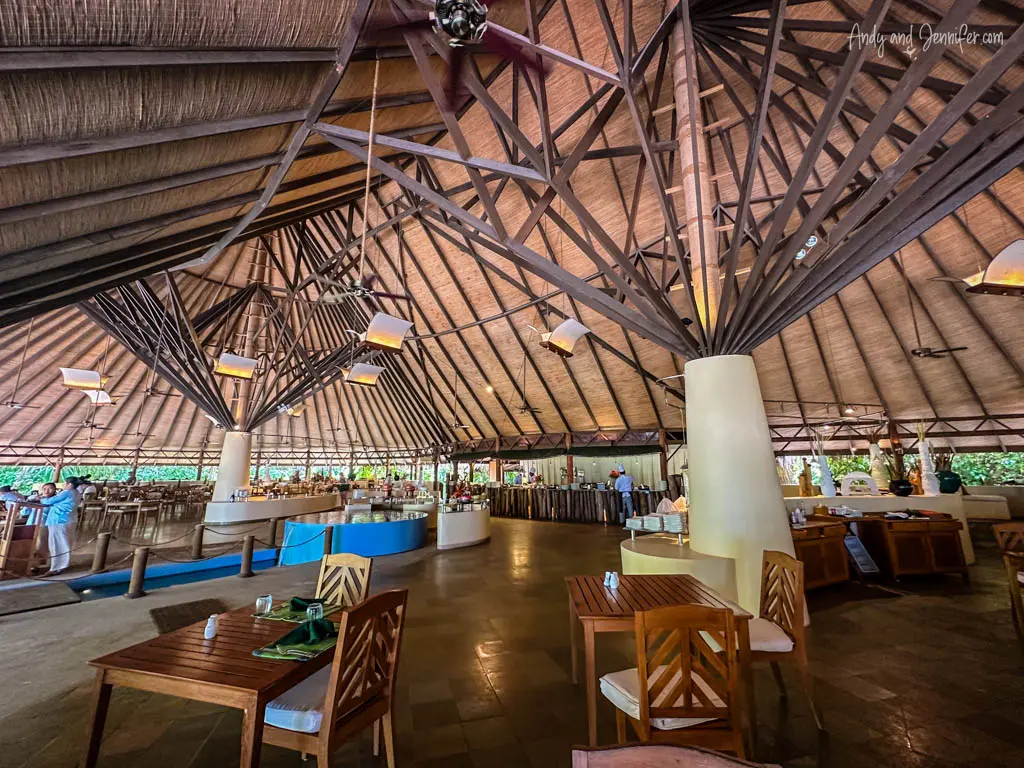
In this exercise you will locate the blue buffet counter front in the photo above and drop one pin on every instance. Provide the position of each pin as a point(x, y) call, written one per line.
point(304, 542)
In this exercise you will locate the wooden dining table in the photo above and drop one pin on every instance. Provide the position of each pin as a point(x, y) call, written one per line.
point(602, 609)
point(217, 671)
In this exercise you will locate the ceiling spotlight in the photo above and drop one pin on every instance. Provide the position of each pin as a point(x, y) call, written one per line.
point(848, 410)
point(489, 388)
point(811, 242)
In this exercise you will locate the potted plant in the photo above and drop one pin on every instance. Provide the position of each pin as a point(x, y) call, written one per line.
point(899, 485)
point(949, 481)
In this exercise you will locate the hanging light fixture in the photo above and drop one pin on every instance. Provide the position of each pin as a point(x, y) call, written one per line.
point(1004, 276)
point(385, 332)
point(80, 378)
point(364, 374)
point(235, 366)
point(562, 340)
point(98, 397)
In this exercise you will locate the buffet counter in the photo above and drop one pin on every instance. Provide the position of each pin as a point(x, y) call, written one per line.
point(567, 505)
point(463, 527)
point(257, 508)
point(949, 503)
point(370, 534)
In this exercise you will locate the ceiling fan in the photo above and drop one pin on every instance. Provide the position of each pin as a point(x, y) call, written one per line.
point(357, 289)
point(936, 353)
point(87, 424)
point(463, 23)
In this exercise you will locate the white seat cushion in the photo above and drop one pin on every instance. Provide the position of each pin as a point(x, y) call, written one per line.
point(623, 690)
point(768, 636)
point(302, 707)
point(1020, 576)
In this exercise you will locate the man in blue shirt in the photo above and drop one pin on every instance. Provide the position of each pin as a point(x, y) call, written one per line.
point(60, 514)
point(624, 485)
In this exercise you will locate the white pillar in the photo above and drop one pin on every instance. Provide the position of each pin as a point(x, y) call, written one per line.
point(736, 506)
point(233, 472)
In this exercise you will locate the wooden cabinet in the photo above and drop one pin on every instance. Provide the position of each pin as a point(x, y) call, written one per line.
point(819, 546)
point(905, 547)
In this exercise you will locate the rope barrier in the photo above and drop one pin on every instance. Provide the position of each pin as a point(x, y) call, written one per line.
point(289, 546)
point(149, 543)
point(156, 554)
point(236, 533)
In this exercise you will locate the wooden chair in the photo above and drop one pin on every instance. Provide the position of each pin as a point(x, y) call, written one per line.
point(344, 579)
point(653, 756)
point(1010, 538)
point(684, 689)
point(779, 634)
point(355, 692)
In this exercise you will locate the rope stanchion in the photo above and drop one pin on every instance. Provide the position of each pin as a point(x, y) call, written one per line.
point(245, 570)
point(99, 557)
point(138, 576)
point(197, 541)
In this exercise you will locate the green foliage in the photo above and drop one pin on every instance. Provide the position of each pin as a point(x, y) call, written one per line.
point(989, 468)
point(841, 466)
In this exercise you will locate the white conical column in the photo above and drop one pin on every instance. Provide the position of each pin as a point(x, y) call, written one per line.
point(233, 473)
point(736, 507)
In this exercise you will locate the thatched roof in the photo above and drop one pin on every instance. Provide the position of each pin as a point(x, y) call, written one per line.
point(134, 137)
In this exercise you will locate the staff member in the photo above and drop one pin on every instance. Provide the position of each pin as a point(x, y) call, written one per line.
point(60, 515)
point(624, 485)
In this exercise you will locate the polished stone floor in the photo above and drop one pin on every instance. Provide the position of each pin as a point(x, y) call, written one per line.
point(927, 675)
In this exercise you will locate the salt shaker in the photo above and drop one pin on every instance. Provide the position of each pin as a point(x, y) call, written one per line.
point(607, 578)
point(615, 580)
point(211, 627)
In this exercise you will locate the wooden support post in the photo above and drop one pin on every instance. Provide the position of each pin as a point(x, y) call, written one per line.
point(328, 539)
point(138, 573)
point(99, 557)
point(570, 469)
point(199, 467)
point(197, 541)
point(134, 476)
point(663, 456)
point(272, 524)
point(57, 467)
point(309, 464)
point(695, 176)
point(248, 544)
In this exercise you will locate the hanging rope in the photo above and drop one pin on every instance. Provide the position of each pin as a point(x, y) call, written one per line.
point(910, 298)
point(369, 167)
point(21, 364)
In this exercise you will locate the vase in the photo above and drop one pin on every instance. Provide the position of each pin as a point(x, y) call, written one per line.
point(949, 482)
point(878, 471)
point(929, 482)
point(828, 485)
point(900, 487)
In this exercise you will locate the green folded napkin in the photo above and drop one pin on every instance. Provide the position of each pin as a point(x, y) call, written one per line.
point(304, 642)
point(302, 603)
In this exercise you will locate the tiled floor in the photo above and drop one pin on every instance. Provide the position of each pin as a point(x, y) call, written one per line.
point(931, 677)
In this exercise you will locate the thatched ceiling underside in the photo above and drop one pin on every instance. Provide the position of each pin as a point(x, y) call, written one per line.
point(113, 169)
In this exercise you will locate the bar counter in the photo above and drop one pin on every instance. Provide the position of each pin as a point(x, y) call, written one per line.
point(568, 505)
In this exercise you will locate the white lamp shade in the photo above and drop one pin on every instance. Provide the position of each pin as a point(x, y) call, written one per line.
point(79, 378)
point(364, 374)
point(235, 366)
point(386, 332)
point(564, 337)
point(1007, 268)
point(98, 397)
